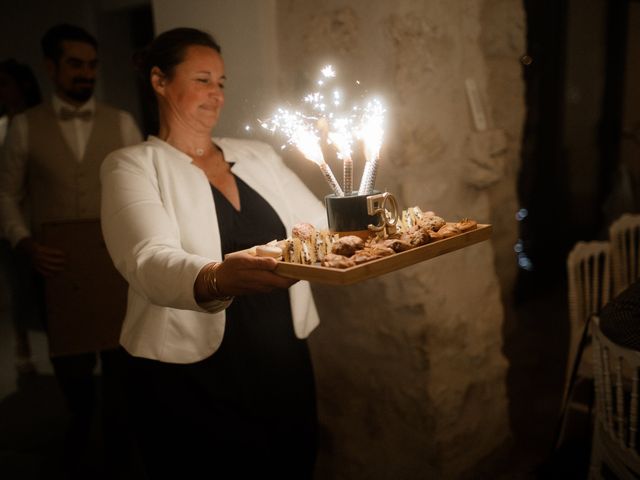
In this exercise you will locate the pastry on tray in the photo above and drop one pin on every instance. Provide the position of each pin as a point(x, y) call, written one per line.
point(310, 246)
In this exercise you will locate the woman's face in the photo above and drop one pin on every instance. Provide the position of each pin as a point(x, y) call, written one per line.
point(194, 95)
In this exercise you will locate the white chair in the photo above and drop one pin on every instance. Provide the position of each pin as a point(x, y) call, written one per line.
point(624, 235)
point(615, 435)
point(589, 290)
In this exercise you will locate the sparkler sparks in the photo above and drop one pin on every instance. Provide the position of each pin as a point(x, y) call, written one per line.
point(328, 71)
point(330, 120)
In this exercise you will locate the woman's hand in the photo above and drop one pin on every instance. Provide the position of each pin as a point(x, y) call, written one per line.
point(241, 274)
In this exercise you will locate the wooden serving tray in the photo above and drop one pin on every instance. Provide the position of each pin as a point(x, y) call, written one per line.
point(374, 268)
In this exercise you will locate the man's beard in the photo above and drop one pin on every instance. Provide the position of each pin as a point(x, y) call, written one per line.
point(81, 91)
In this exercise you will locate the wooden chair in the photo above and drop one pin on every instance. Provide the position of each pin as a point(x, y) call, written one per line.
point(624, 235)
point(615, 436)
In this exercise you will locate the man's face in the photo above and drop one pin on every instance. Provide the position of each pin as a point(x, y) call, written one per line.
point(74, 75)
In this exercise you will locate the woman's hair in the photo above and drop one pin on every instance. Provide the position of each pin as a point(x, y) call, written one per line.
point(25, 80)
point(169, 49)
point(166, 52)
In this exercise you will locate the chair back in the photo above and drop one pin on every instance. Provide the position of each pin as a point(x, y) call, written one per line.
point(624, 235)
point(589, 280)
point(616, 375)
point(589, 277)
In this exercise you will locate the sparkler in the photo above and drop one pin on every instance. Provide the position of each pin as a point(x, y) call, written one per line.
point(340, 136)
point(309, 145)
point(371, 133)
point(327, 119)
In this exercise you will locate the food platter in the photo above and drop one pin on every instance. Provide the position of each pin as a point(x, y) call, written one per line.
point(374, 268)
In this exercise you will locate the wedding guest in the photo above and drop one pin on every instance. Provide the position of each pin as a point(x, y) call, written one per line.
point(220, 376)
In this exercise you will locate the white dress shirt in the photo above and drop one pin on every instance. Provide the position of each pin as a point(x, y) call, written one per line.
point(15, 153)
point(75, 132)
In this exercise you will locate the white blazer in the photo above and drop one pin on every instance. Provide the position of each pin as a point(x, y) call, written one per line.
point(160, 227)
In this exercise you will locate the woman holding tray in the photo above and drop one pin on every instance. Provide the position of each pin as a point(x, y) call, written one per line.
point(220, 377)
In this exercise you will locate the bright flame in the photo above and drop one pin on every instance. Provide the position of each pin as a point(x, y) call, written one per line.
point(371, 129)
point(340, 135)
point(309, 145)
point(328, 71)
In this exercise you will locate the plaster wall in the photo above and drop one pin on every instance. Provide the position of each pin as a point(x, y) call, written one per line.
point(411, 377)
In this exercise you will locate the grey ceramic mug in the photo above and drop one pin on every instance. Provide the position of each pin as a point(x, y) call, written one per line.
point(348, 215)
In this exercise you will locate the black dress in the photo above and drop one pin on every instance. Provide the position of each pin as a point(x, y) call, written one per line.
point(247, 410)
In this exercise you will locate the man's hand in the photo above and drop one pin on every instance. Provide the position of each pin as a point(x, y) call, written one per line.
point(48, 261)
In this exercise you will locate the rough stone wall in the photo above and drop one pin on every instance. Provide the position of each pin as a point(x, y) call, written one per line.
point(411, 378)
point(502, 45)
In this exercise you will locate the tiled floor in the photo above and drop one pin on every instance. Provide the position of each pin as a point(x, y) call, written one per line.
point(33, 415)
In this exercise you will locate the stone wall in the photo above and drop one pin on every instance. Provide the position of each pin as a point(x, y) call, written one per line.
point(411, 377)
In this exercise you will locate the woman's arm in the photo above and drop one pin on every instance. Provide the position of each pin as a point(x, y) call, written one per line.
point(142, 239)
point(144, 243)
point(239, 274)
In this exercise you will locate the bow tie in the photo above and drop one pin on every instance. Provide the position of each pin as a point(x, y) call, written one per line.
point(68, 114)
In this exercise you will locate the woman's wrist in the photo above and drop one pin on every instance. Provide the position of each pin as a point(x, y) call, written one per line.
point(211, 282)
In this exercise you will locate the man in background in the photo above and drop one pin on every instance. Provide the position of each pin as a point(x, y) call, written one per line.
point(51, 162)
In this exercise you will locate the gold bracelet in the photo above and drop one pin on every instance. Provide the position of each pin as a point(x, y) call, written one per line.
point(212, 283)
